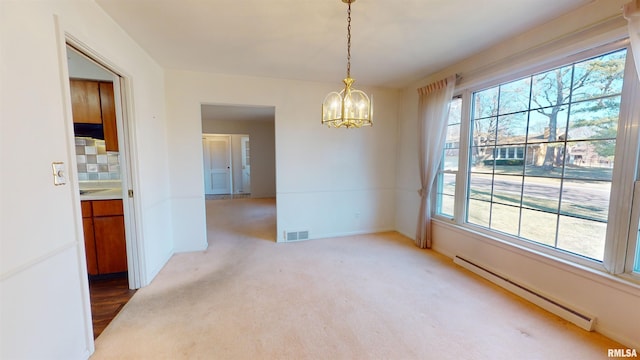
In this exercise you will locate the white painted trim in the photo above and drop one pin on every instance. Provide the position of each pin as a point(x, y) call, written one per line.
point(544, 62)
point(610, 35)
point(40, 259)
point(347, 190)
point(153, 272)
point(462, 178)
point(632, 343)
point(624, 172)
point(635, 224)
point(544, 301)
point(138, 276)
point(599, 276)
point(469, 243)
point(126, 141)
point(339, 234)
point(605, 32)
point(65, 95)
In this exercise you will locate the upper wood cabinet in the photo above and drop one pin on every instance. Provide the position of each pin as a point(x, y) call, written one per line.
point(108, 107)
point(85, 102)
point(93, 103)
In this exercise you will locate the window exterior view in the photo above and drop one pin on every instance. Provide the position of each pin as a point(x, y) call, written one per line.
point(539, 158)
point(556, 194)
point(446, 180)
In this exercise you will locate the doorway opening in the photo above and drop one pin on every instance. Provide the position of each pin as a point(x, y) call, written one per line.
point(238, 143)
point(103, 169)
point(227, 166)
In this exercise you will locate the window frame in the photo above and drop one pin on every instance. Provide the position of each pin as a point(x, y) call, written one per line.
point(437, 185)
point(634, 236)
point(625, 174)
point(621, 237)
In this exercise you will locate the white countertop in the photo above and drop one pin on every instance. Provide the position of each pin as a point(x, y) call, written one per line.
point(101, 194)
point(100, 190)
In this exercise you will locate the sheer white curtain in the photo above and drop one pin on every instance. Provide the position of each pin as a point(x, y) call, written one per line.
point(632, 14)
point(433, 113)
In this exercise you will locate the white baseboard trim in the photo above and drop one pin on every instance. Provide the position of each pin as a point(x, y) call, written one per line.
point(580, 319)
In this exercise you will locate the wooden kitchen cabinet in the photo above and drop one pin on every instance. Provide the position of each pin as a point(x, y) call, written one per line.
point(93, 102)
point(105, 240)
point(89, 238)
point(108, 108)
point(111, 248)
point(85, 102)
point(106, 207)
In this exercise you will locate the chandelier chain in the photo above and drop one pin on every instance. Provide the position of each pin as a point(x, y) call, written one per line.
point(349, 40)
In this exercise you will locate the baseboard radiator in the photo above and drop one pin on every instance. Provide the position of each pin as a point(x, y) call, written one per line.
point(584, 321)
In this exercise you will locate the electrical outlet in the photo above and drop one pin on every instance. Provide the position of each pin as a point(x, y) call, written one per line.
point(59, 173)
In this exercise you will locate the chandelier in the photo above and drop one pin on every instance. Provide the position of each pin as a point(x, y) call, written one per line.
point(349, 107)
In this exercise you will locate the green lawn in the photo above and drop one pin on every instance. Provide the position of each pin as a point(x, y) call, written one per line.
point(582, 232)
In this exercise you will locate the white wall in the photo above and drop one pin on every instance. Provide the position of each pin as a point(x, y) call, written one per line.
point(614, 303)
point(263, 151)
point(43, 288)
point(329, 181)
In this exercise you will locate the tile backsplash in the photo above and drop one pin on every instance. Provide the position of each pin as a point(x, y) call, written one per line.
point(95, 162)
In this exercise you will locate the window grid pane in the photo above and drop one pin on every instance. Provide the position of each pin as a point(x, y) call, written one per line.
point(446, 177)
point(542, 155)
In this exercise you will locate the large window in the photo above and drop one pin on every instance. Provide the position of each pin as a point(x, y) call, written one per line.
point(542, 154)
point(540, 158)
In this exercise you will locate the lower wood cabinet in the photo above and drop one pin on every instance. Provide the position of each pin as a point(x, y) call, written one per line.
point(90, 246)
point(111, 250)
point(104, 236)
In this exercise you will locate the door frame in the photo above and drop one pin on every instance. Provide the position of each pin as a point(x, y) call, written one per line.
point(128, 157)
point(244, 139)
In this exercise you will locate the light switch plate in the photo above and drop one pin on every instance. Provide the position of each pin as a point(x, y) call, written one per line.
point(59, 173)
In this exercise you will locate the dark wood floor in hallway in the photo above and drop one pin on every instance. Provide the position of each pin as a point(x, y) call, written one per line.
point(108, 296)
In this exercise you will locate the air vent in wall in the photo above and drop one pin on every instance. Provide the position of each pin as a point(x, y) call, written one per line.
point(296, 235)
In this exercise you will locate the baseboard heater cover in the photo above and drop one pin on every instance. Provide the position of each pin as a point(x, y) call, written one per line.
point(584, 321)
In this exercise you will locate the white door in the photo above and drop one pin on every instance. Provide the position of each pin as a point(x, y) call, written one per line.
point(217, 164)
point(246, 165)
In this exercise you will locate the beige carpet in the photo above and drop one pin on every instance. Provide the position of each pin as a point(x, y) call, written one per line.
point(360, 297)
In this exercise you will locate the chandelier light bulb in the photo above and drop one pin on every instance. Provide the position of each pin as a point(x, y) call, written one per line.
point(349, 107)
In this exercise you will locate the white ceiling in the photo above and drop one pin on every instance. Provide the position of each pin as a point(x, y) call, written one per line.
point(393, 42)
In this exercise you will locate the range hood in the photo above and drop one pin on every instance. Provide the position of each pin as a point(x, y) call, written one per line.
point(89, 130)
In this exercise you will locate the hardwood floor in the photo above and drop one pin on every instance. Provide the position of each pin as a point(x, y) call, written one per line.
point(108, 296)
point(227, 196)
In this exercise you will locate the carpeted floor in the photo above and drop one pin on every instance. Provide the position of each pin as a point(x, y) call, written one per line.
point(360, 297)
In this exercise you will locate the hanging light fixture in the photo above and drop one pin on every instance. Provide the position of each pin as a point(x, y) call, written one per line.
point(349, 107)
